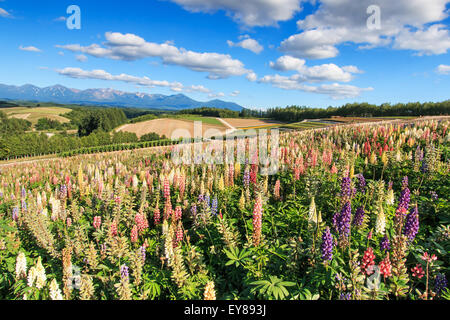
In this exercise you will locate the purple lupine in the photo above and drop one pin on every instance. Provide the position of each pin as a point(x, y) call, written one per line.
point(346, 188)
point(405, 198)
point(124, 272)
point(201, 198)
point(24, 205)
point(424, 167)
point(361, 183)
point(15, 214)
point(440, 283)
point(341, 220)
point(405, 182)
point(194, 210)
point(345, 296)
point(419, 153)
point(412, 224)
point(359, 217)
point(246, 178)
point(142, 253)
point(385, 244)
point(327, 245)
point(434, 196)
point(23, 192)
point(214, 206)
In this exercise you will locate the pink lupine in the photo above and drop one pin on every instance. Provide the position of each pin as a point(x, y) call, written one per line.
point(134, 234)
point(166, 189)
point(156, 216)
point(257, 221)
point(113, 229)
point(97, 222)
point(141, 223)
point(178, 213)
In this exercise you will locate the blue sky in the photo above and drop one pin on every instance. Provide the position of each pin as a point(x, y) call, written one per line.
point(258, 53)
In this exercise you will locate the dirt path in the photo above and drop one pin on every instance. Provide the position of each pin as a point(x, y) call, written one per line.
point(231, 130)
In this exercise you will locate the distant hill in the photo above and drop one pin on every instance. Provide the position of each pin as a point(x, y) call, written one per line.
point(110, 97)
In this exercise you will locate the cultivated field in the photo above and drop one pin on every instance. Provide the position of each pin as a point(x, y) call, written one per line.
point(166, 126)
point(355, 212)
point(34, 114)
point(249, 123)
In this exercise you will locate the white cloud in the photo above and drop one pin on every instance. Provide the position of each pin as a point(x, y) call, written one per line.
point(247, 43)
point(130, 47)
point(4, 13)
point(345, 21)
point(59, 19)
point(334, 90)
point(29, 49)
point(319, 73)
point(248, 12)
point(443, 69)
point(235, 93)
point(216, 95)
point(81, 58)
point(78, 73)
point(434, 40)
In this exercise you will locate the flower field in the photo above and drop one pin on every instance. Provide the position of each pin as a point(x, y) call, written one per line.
point(357, 212)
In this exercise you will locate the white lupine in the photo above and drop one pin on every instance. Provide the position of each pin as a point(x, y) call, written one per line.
point(40, 274)
point(55, 292)
point(390, 197)
point(31, 276)
point(312, 217)
point(380, 224)
point(21, 266)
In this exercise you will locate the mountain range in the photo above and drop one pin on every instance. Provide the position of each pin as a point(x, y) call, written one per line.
point(108, 97)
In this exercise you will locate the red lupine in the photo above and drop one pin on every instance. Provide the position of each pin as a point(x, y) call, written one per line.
point(166, 189)
point(386, 267)
point(368, 261)
point(417, 271)
point(178, 213)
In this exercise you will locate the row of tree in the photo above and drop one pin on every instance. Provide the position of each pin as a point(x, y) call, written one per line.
point(296, 113)
point(211, 112)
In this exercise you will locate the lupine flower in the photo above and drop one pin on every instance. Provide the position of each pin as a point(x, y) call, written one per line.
point(246, 178)
point(368, 261)
point(386, 267)
point(214, 206)
point(412, 224)
point(345, 296)
point(276, 189)
point(178, 213)
point(54, 291)
point(385, 244)
point(40, 274)
point(97, 222)
point(417, 271)
point(361, 183)
point(428, 258)
point(124, 274)
point(341, 221)
point(434, 196)
point(380, 223)
point(21, 266)
point(390, 198)
point(113, 229)
point(142, 253)
point(327, 245)
point(312, 217)
point(166, 189)
point(358, 219)
point(440, 283)
point(156, 216)
point(194, 210)
point(15, 214)
point(210, 293)
point(141, 222)
point(346, 188)
point(179, 235)
point(257, 220)
point(404, 199)
point(134, 234)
